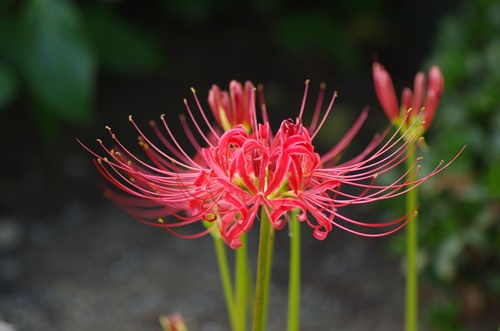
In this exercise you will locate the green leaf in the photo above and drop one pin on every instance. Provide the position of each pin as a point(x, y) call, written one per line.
point(8, 85)
point(121, 47)
point(56, 58)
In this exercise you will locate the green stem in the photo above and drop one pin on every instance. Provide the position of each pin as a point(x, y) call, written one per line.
point(294, 276)
point(411, 321)
point(264, 261)
point(241, 283)
point(225, 276)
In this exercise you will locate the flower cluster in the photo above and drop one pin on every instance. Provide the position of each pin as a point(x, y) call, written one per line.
point(241, 167)
point(412, 102)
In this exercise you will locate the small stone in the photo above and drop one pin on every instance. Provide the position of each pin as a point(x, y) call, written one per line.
point(11, 234)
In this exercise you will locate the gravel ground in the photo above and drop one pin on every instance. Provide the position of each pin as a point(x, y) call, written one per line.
point(95, 268)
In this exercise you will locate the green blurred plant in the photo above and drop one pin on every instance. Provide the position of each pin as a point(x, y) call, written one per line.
point(461, 235)
point(50, 51)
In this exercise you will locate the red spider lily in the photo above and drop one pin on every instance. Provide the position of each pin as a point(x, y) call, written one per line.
point(247, 168)
point(173, 322)
point(412, 101)
point(233, 107)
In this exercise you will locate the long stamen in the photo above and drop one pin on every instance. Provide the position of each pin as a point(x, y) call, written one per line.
point(325, 115)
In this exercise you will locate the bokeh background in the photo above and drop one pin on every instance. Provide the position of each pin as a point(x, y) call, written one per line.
point(69, 260)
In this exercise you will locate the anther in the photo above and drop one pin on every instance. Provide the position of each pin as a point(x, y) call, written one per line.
point(322, 85)
point(99, 141)
point(193, 90)
point(160, 220)
point(130, 118)
point(420, 158)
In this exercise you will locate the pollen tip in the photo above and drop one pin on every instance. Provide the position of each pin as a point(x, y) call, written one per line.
point(112, 151)
point(416, 213)
point(132, 179)
point(322, 85)
point(160, 220)
point(162, 116)
point(193, 90)
point(113, 136)
point(99, 161)
point(130, 118)
point(307, 81)
point(182, 117)
point(420, 158)
point(152, 123)
point(185, 101)
point(441, 162)
point(99, 141)
point(108, 128)
point(409, 110)
point(375, 175)
point(105, 159)
point(421, 139)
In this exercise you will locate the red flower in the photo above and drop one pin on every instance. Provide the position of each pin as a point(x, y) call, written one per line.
point(247, 168)
point(233, 107)
point(413, 101)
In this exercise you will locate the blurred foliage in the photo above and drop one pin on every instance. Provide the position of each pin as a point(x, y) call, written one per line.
point(50, 51)
point(460, 225)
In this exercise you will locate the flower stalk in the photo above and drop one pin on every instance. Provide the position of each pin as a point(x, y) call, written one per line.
point(242, 283)
point(264, 262)
point(411, 319)
point(227, 286)
point(294, 274)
